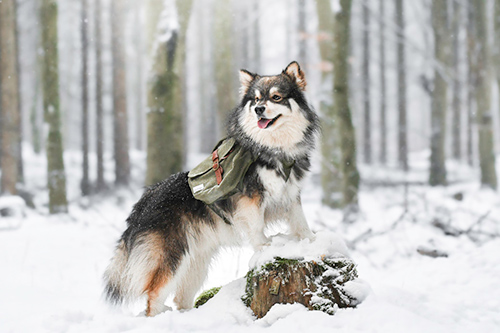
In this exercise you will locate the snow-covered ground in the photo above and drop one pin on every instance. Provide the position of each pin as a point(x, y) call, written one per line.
point(51, 267)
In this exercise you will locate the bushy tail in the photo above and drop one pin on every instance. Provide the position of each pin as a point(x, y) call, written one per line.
point(130, 271)
point(115, 283)
point(119, 279)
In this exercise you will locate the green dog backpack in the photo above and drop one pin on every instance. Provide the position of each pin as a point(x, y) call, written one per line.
point(220, 174)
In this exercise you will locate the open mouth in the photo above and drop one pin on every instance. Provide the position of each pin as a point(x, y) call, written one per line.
point(265, 123)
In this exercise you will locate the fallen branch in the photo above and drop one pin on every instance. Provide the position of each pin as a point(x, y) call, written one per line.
point(435, 253)
point(369, 233)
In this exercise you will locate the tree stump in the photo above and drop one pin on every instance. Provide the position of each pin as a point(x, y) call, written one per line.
point(318, 285)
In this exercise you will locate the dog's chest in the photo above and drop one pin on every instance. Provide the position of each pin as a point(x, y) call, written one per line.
point(277, 188)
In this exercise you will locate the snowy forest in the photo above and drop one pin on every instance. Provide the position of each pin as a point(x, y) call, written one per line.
point(101, 98)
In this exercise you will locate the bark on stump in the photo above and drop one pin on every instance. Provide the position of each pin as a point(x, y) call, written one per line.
point(316, 285)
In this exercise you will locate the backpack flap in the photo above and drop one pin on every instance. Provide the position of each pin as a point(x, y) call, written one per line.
point(218, 176)
point(224, 147)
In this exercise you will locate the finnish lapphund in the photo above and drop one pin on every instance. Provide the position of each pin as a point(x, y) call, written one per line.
point(171, 236)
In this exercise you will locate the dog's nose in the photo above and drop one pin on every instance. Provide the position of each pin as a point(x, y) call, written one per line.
point(260, 109)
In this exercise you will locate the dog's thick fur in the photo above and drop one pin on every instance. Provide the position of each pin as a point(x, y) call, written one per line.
point(171, 236)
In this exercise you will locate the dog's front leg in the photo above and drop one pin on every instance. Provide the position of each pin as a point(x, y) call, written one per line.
point(250, 217)
point(298, 223)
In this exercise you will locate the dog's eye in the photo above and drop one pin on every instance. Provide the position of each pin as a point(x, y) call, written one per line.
point(276, 98)
point(257, 99)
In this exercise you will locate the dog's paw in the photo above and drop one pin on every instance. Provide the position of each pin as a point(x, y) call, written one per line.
point(311, 236)
point(304, 235)
point(156, 311)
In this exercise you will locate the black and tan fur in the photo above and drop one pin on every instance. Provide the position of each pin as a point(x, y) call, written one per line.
point(171, 236)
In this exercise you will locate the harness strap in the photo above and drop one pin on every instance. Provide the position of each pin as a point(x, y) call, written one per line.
point(217, 167)
point(287, 168)
point(219, 212)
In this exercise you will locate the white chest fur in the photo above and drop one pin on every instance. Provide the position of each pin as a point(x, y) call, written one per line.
point(278, 190)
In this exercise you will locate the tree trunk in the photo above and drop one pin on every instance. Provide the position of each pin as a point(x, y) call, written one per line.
point(316, 285)
point(36, 140)
point(302, 32)
point(346, 133)
point(153, 8)
point(20, 161)
point(256, 37)
point(85, 184)
point(165, 103)
point(56, 178)
point(100, 183)
point(401, 68)
point(208, 107)
point(471, 81)
point(383, 93)
point(224, 67)
point(497, 46)
point(139, 56)
point(437, 172)
point(9, 100)
point(456, 102)
point(121, 144)
point(367, 135)
point(483, 100)
point(244, 29)
point(331, 178)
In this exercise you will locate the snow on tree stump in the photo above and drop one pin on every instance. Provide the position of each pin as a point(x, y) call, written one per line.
point(324, 282)
point(316, 285)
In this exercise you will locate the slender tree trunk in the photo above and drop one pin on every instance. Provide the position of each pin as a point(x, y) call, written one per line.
point(20, 161)
point(184, 14)
point(456, 102)
point(139, 51)
point(165, 118)
point(244, 28)
point(367, 135)
point(56, 178)
point(154, 9)
point(346, 133)
point(208, 108)
point(256, 37)
point(224, 68)
point(483, 100)
point(471, 80)
point(100, 183)
point(9, 99)
point(383, 93)
point(331, 178)
point(497, 46)
point(85, 184)
point(437, 174)
point(401, 68)
point(302, 32)
point(34, 119)
point(121, 144)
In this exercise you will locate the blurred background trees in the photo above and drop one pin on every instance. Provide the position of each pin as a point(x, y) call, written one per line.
point(331, 178)
point(166, 108)
point(437, 173)
point(9, 99)
point(56, 175)
point(148, 83)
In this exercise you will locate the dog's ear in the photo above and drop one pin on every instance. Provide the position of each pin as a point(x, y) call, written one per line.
point(296, 74)
point(246, 79)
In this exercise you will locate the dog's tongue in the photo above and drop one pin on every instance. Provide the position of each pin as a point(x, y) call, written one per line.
point(263, 122)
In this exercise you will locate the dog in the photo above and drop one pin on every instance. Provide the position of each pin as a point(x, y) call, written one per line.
point(171, 236)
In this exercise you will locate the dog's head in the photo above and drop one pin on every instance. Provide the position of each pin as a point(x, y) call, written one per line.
point(274, 111)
